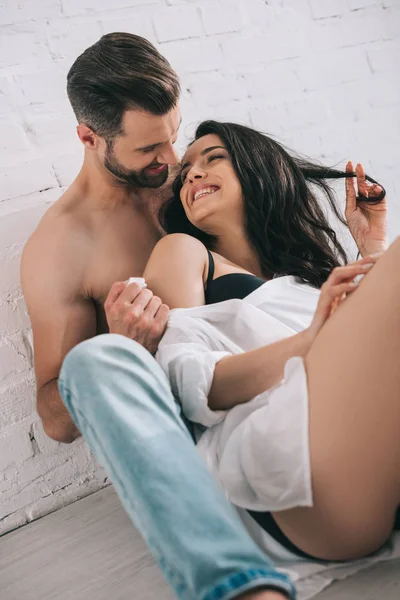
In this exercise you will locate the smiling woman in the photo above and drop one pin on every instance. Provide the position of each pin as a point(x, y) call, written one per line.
point(204, 191)
point(248, 237)
point(212, 177)
point(267, 202)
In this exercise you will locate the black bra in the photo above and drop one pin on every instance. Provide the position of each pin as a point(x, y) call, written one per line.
point(232, 285)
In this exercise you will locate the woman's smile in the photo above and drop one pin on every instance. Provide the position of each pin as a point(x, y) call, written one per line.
point(200, 191)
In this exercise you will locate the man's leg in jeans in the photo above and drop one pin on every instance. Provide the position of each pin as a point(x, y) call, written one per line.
point(121, 401)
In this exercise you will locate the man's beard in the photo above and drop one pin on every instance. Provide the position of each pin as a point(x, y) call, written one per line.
point(133, 178)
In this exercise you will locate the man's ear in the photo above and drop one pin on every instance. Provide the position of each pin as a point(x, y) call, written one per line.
point(88, 137)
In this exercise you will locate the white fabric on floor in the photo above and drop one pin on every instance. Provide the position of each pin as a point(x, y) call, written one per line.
point(311, 577)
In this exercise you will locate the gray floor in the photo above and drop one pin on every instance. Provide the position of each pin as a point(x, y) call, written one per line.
point(90, 551)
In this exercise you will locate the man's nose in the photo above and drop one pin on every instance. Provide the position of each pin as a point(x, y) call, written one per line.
point(169, 156)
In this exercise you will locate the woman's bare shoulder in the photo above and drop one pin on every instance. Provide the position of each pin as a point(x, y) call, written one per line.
point(180, 249)
point(181, 242)
point(177, 269)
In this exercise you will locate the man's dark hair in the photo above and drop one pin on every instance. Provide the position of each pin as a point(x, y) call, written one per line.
point(119, 72)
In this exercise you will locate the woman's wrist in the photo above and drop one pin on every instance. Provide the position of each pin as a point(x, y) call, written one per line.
point(307, 337)
point(373, 247)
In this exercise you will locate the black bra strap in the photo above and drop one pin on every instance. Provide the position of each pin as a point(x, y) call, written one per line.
point(211, 268)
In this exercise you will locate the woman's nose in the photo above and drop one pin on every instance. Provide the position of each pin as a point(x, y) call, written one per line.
point(196, 174)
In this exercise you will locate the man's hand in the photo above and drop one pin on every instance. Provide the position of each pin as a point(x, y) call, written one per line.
point(137, 314)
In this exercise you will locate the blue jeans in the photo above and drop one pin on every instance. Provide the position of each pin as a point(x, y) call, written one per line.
point(121, 401)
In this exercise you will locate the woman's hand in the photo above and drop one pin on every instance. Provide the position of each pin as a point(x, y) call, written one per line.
point(367, 222)
point(334, 291)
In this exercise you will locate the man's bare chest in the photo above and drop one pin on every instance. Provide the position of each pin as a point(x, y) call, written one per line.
point(117, 253)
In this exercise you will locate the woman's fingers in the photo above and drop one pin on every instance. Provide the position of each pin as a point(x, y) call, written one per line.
point(349, 272)
point(341, 283)
point(343, 288)
point(331, 297)
point(337, 287)
point(374, 189)
point(340, 293)
point(351, 193)
point(362, 184)
point(365, 188)
point(337, 291)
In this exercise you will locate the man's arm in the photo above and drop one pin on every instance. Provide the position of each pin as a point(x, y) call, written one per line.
point(56, 420)
point(61, 318)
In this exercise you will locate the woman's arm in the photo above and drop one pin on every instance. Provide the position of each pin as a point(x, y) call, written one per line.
point(239, 378)
point(176, 271)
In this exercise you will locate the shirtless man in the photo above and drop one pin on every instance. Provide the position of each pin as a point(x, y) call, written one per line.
point(104, 227)
point(102, 230)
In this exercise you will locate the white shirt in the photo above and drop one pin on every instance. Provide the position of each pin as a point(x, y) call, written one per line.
point(257, 451)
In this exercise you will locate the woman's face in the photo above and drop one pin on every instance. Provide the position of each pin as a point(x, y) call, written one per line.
point(211, 194)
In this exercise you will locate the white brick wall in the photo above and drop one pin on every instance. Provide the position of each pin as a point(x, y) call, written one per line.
point(322, 75)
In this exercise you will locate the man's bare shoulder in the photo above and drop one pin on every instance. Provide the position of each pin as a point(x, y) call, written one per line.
point(59, 245)
point(64, 215)
point(64, 221)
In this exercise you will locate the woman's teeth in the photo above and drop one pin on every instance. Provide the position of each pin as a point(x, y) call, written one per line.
point(204, 192)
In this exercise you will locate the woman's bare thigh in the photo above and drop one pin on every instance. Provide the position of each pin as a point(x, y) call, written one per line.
point(353, 372)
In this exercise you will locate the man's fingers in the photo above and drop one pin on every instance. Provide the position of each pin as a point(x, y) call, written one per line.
point(131, 292)
point(152, 307)
point(115, 292)
point(161, 317)
point(141, 301)
point(158, 327)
